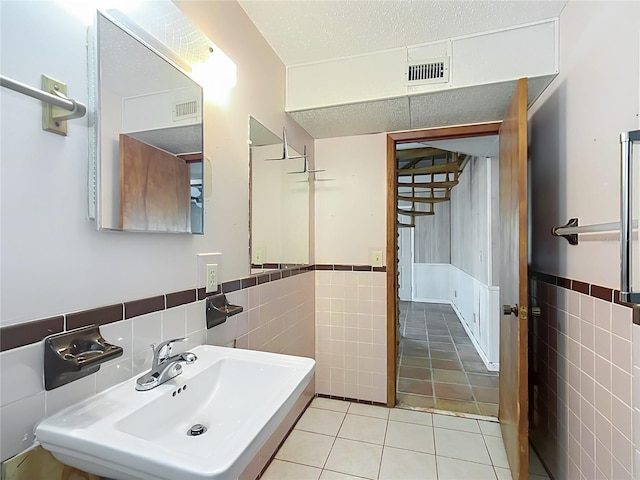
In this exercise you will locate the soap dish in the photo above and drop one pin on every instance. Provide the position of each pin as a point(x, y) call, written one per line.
point(71, 355)
point(218, 309)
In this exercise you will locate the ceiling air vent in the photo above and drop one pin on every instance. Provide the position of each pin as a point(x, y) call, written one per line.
point(184, 110)
point(433, 71)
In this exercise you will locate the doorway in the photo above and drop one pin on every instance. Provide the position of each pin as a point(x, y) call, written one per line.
point(412, 316)
point(447, 207)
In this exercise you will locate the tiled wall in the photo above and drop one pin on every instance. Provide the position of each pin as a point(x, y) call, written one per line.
point(278, 316)
point(580, 381)
point(351, 323)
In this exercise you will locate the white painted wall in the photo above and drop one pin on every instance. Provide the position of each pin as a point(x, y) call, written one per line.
point(574, 146)
point(49, 247)
point(474, 211)
point(350, 212)
point(475, 303)
point(528, 50)
point(574, 158)
point(433, 235)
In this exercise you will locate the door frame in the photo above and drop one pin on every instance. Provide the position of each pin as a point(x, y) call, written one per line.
point(438, 133)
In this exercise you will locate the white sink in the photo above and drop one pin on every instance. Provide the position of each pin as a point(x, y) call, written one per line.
point(240, 396)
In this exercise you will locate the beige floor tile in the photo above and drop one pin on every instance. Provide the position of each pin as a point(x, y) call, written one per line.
point(457, 406)
point(497, 452)
point(410, 436)
point(461, 445)
point(306, 448)
point(317, 420)
point(456, 423)
point(491, 429)
point(279, 470)
point(409, 400)
point(329, 475)
point(365, 429)
point(369, 410)
point(401, 464)
point(330, 404)
point(410, 416)
point(503, 473)
point(355, 458)
point(453, 469)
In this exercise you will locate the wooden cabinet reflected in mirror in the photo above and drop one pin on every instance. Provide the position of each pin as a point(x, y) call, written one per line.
point(154, 188)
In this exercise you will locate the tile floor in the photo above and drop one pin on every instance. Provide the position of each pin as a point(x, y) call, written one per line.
point(438, 367)
point(336, 440)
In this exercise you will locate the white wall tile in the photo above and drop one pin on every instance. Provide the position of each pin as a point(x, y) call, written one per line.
point(67, 395)
point(174, 323)
point(196, 316)
point(113, 373)
point(147, 330)
point(602, 314)
point(18, 420)
point(622, 321)
point(22, 373)
point(621, 353)
point(120, 334)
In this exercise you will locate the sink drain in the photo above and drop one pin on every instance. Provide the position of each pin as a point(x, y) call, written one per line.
point(197, 429)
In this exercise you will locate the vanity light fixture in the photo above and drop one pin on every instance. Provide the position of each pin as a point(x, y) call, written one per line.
point(164, 27)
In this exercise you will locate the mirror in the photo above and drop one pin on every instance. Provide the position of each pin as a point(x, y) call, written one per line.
point(148, 137)
point(279, 203)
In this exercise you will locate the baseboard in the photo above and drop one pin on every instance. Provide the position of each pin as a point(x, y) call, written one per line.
point(491, 366)
point(431, 300)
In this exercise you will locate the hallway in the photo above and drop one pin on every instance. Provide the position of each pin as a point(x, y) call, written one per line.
point(438, 367)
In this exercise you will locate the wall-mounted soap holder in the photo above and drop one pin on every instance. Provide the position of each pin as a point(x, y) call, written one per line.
point(71, 355)
point(218, 309)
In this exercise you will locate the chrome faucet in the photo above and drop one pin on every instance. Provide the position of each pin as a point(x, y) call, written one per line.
point(164, 366)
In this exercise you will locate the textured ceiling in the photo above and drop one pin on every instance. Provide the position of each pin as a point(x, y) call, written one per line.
point(308, 31)
point(476, 104)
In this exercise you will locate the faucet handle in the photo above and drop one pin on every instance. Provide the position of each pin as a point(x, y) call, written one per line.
point(163, 350)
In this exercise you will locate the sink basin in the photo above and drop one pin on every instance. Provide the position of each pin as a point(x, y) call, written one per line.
point(206, 423)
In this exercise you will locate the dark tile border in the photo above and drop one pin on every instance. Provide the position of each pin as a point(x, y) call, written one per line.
point(232, 286)
point(144, 306)
point(350, 268)
point(603, 293)
point(181, 298)
point(352, 400)
point(25, 333)
point(13, 336)
point(597, 291)
point(95, 316)
point(581, 287)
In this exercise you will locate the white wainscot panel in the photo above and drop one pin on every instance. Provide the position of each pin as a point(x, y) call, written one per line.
point(476, 304)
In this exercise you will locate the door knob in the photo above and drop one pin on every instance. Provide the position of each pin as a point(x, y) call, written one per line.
point(508, 309)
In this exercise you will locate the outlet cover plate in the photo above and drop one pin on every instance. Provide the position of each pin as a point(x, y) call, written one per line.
point(212, 278)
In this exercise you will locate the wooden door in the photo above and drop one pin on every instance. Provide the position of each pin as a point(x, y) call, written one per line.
point(513, 283)
point(154, 188)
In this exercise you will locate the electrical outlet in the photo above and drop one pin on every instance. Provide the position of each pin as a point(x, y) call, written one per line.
point(212, 278)
point(258, 256)
point(376, 258)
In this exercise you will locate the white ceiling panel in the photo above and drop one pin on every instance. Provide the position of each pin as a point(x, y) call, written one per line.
point(309, 31)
